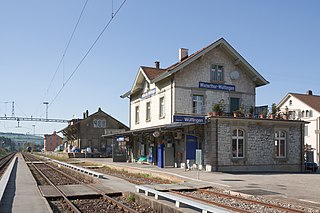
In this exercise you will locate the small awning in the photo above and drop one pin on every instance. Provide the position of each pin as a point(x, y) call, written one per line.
point(160, 128)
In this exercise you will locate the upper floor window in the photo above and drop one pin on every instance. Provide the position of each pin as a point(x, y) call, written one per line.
point(137, 114)
point(238, 143)
point(280, 144)
point(197, 104)
point(306, 130)
point(290, 102)
point(161, 107)
point(307, 113)
point(302, 114)
point(216, 72)
point(148, 111)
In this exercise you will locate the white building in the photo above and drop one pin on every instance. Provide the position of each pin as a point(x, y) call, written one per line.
point(305, 107)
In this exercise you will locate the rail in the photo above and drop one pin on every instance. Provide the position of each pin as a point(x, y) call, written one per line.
point(5, 177)
point(178, 200)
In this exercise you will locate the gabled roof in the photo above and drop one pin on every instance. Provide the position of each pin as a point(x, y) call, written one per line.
point(72, 125)
point(312, 101)
point(153, 75)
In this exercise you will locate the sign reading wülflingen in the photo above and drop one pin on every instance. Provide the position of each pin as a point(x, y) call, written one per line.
point(189, 119)
point(148, 93)
point(212, 86)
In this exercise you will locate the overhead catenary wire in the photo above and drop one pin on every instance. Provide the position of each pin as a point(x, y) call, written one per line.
point(88, 51)
point(63, 55)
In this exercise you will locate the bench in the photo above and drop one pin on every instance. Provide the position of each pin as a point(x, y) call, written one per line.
point(178, 200)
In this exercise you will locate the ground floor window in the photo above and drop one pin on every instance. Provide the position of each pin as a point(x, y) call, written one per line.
point(280, 144)
point(238, 143)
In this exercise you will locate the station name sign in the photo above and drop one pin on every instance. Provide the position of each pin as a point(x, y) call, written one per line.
point(189, 119)
point(148, 94)
point(224, 87)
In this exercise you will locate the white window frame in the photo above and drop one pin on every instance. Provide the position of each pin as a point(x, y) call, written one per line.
point(237, 139)
point(306, 132)
point(148, 111)
point(278, 140)
point(137, 113)
point(217, 74)
point(162, 113)
point(196, 109)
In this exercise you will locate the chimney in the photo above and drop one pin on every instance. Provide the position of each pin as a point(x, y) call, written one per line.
point(84, 115)
point(183, 53)
point(309, 92)
point(99, 109)
point(157, 63)
point(87, 113)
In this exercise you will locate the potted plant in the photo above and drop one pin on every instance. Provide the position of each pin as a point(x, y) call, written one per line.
point(264, 113)
point(286, 113)
point(251, 110)
point(274, 111)
point(239, 112)
point(217, 110)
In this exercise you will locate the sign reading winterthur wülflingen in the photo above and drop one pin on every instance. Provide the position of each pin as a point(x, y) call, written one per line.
point(189, 119)
point(224, 87)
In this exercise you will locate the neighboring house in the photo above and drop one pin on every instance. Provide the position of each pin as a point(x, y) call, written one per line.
point(87, 132)
point(169, 126)
point(305, 107)
point(51, 141)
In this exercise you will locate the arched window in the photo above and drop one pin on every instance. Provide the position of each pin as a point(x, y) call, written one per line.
point(280, 143)
point(307, 113)
point(310, 114)
point(302, 114)
point(290, 102)
point(238, 143)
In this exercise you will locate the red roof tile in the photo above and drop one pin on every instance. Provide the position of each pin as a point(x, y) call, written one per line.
point(311, 100)
point(153, 72)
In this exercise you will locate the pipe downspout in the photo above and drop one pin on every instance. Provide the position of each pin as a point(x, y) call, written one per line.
point(302, 147)
point(217, 157)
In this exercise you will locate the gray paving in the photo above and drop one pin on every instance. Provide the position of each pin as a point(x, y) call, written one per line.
point(292, 186)
point(22, 194)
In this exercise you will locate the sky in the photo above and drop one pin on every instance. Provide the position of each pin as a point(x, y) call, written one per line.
point(280, 39)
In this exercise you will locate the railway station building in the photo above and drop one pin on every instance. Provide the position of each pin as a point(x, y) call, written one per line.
point(172, 122)
point(87, 132)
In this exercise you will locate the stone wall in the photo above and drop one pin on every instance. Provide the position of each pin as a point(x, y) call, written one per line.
point(259, 145)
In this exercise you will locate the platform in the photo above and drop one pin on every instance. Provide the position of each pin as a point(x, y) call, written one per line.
point(21, 193)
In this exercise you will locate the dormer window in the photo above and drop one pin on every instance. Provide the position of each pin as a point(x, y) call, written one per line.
point(216, 72)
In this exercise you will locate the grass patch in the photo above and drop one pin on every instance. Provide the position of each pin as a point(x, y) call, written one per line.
point(131, 198)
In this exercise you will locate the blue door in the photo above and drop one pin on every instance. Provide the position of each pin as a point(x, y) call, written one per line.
point(191, 146)
point(160, 156)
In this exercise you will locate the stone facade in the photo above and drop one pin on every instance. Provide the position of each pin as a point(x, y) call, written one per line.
point(259, 145)
point(87, 132)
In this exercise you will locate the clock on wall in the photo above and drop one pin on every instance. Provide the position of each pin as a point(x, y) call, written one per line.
point(234, 75)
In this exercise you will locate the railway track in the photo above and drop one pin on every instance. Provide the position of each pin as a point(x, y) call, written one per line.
point(4, 162)
point(237, 203)
point(52, 175)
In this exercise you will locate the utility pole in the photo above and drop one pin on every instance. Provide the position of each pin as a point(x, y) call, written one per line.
point(13, 109)
point(34, 129)
point(46, 103)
